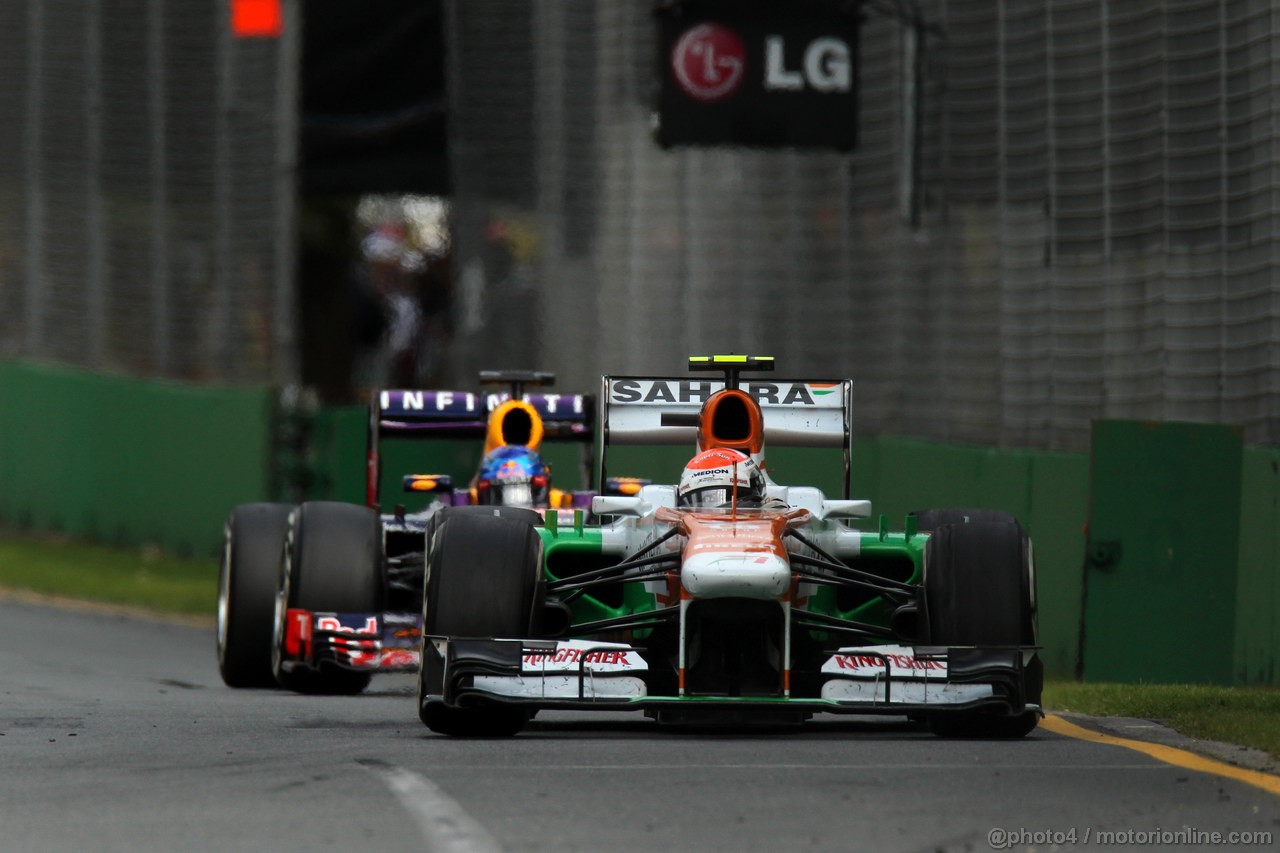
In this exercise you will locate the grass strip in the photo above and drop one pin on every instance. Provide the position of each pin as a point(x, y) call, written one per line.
point(1248, 716)
point(142, 577)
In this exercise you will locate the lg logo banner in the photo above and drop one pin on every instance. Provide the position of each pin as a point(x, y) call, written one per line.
point(708, 61)
point(761, 75)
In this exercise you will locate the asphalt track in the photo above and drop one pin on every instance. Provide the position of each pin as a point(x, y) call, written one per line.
point(117, 734)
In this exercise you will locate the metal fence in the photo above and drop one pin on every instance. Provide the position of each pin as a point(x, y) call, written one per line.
point(1098, 225)
point(1096, 208)
point(146, 197)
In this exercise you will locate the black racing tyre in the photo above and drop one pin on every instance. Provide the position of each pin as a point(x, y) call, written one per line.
point(517, 513)
point(482, 578)
point(252, 540)
point(332, 561)
point(979, 589)
point(984, 726)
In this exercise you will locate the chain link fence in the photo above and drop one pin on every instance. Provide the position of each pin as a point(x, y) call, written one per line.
point(1085, 224)
point(1095, 204)
point(146, 195)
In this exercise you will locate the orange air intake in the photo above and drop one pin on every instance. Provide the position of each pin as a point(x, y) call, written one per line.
point(513, 422)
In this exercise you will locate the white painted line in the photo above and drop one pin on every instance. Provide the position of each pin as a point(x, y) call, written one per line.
point(445, 825)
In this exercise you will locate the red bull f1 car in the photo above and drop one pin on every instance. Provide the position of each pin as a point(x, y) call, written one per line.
point(728, 596)
point(318, 597)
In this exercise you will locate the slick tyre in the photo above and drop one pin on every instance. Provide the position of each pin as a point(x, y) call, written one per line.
point(979, 590)
point(516, 513)
point(332, 561)
point(252, 540)
point(482, 575)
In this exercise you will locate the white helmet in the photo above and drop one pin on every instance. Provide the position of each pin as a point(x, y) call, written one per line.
point(721, 477)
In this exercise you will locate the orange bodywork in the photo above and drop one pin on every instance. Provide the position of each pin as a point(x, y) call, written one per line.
point(741, 532)
point(748, 432)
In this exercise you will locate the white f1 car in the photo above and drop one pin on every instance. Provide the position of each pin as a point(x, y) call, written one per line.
point(729, 596)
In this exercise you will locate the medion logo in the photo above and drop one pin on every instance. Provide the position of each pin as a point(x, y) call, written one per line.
point(690, 391)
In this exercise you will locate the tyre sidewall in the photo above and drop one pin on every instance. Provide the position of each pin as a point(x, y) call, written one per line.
point(331, 562)
point(979, 589)
point(481, 581)
point(253, 538)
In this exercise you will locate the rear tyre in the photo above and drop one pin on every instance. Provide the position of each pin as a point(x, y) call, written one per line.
point(482, 574)
point(979, 590)
point(252, 540)
point(332, 561)
point(517, 513)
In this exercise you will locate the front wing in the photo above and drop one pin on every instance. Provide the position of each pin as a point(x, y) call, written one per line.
point(371, 642)
point(574, 674)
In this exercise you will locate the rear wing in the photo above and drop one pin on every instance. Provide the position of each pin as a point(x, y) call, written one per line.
point(797, 413)
point(465, 414)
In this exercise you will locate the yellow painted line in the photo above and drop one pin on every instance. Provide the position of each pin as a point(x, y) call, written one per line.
point(1167, 754)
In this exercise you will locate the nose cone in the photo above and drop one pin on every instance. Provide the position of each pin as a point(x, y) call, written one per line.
point(761, 575)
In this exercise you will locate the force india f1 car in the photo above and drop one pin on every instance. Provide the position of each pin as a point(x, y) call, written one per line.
point(732, 609)
point(318, 597)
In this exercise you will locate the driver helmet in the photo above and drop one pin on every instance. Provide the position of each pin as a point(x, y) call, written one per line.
point(513, 475)
point(711, 478)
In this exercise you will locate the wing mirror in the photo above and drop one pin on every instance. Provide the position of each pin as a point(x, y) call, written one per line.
point(625, 486)
point(846, 509)
point(620, 505)
point(438, 483)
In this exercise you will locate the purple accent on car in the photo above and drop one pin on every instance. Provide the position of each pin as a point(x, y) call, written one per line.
point(428, 426)
point(559, 407)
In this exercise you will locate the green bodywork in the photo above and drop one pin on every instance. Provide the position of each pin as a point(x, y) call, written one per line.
point(580, 544)
point(584, 545)
point(879, 548)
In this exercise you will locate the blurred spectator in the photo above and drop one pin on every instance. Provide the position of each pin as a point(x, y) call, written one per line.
point(389, 284)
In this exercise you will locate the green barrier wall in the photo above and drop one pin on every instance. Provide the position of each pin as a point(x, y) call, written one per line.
point(1257, 628)
point(1162, 555)
point(125, 460)
point(1048, 492)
